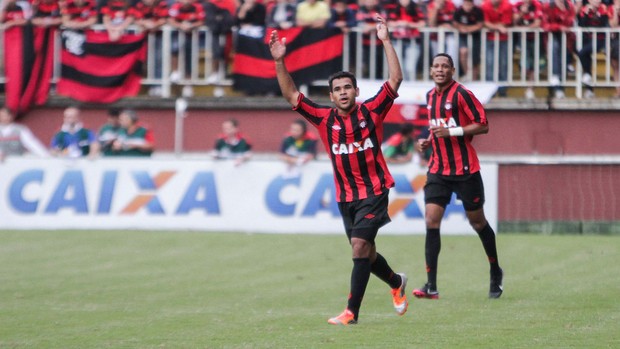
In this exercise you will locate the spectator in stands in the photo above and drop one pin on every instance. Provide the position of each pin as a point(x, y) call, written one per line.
point(342, 16)
point(46, 13)
point(469, 20)
point(73, 140)
point(282, 14)
point(441, 16)
point(150, 16)
point(368, 11)
point(109, 132)
point(185, 16)
point(17, 139)
point(78, 14)
point(251, 17)
point(497, 18)
point(232, 144)
point(399, 148)
point(558, 20)
point(528, 15)
point(313, 14)
point(117, 17)
point(12, 14)
point(594, 14)
point(298, 147)
point(133, 139)
point(403, 23)
point(220, 18)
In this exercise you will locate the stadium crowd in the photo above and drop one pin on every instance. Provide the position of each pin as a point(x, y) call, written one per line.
point(406, 18)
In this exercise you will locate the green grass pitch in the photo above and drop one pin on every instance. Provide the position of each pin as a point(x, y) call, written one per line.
point(133, 289)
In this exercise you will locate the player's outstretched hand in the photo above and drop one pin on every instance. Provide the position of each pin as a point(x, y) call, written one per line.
point(382, 30)
point(277, 46)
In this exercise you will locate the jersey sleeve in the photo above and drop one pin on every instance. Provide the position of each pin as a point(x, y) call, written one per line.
point(311, 111)
point(471, 107)
point(382, 101)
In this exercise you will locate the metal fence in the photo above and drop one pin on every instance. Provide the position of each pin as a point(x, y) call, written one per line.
point(527, 58)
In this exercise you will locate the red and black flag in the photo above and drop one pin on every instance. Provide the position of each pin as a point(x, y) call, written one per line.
point(28, 66)
point(311, 54)
point(96, 70)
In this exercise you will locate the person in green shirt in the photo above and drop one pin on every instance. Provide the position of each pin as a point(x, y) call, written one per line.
point(232, 144)
point(133, 139)
point(298, 147)
point(108, 133)
point(399, 148)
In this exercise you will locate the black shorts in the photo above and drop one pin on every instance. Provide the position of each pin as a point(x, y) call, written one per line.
point(469, 189)
point(363, 218)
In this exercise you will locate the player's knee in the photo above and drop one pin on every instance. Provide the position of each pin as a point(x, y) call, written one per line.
point(478, 222)
point(361, 248)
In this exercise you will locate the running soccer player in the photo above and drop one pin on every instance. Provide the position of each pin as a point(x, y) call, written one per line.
point(455, 116)
point(352, 136)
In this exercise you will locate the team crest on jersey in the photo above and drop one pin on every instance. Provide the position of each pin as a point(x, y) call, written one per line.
point(363, 124)
point(336, 127)
point(448, 106)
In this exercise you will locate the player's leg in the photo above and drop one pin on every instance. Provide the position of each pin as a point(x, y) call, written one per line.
point(471, 193)
point(397, 281)
point(362, 243)
point(437, 195)
point(432, 247)
point(373, 214)
point(362, 220)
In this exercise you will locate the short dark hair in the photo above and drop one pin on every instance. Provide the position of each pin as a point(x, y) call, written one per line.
point(302, 124)
point(341, 75)
point(406, 129)
point(444, 55)
point(114, 112)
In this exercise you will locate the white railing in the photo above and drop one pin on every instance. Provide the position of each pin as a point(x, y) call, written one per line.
point(525, 50)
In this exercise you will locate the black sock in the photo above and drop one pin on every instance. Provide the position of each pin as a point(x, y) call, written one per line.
point(359, 279)
point(432, 248)
point(383, 271)
point(487, 236)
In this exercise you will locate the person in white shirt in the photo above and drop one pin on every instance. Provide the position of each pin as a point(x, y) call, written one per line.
point(17, 139)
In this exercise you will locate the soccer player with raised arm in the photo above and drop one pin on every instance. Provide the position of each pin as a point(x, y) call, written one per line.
point(455, 116)
point(352, 135)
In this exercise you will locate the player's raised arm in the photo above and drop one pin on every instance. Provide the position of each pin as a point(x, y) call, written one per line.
point(395, 72)
point(277, 47)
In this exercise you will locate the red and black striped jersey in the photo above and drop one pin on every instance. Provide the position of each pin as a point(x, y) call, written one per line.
point(455, 106)
point(556, 18)
point(116, 10)
point(353, 143)
point(12, 12)
point(193, 12)
point(159, 10)
point(46, 8)
point(78, 10)
point(595, 18)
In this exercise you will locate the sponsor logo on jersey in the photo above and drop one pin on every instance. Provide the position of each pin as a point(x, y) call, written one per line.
point(344, 149)
point(442, 122)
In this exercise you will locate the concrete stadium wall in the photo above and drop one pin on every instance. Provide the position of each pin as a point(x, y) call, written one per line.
point(511, 132)
point(540, 198)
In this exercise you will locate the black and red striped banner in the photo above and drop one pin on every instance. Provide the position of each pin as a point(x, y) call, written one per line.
point(311, 54)
point(96, 70)
point(28, 66)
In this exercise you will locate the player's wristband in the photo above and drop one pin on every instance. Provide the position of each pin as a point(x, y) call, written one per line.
point(455, 131)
